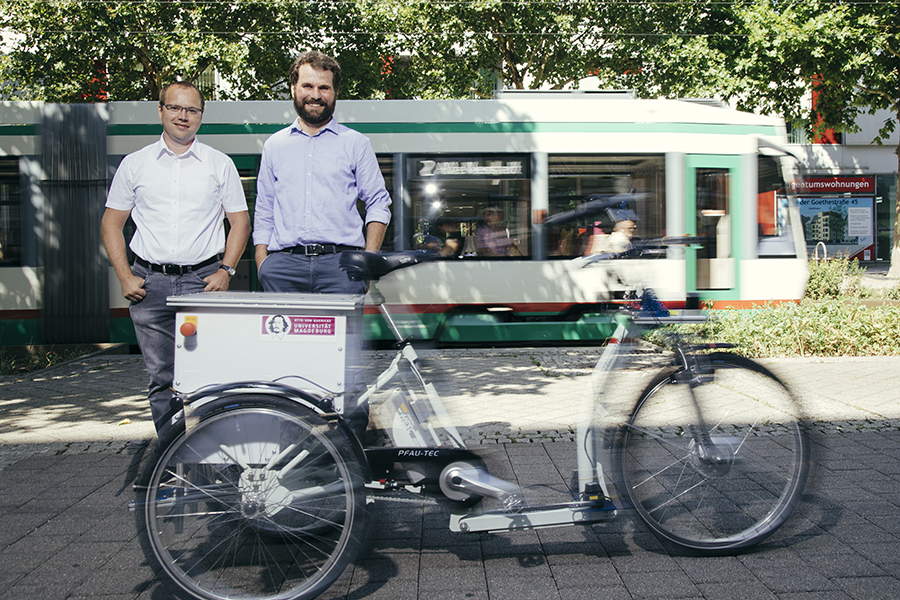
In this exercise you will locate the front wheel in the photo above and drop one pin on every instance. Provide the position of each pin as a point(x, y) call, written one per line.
point(261, 499)
point(715, 466)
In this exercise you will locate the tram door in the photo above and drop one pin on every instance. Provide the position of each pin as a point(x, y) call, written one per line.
point(711, 196)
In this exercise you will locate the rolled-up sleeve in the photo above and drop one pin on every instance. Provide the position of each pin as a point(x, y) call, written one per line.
point(370, 185)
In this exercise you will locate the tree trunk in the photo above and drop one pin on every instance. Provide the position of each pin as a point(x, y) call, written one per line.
point(894, 271)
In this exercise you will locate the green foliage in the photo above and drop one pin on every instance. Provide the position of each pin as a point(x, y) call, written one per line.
point(841, 278)
point(470, 49)
point(847, 54)
point(832, 278)
point(832, 320)
point(69, 51)
point(810, 328)
point(765, 55)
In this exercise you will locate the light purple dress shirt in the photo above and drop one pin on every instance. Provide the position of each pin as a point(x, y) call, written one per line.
point(308, 187)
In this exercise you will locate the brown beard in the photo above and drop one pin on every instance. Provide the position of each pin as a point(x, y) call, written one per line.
point(312, 119)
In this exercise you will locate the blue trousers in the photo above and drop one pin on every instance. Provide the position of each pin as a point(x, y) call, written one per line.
point(295, 273)
point(154, 326)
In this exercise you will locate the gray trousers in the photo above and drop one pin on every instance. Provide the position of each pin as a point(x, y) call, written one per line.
point(154, 327)
point(296, 273)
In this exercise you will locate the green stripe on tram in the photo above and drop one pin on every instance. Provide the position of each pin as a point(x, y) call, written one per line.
point(18, 129)
point(467, 128)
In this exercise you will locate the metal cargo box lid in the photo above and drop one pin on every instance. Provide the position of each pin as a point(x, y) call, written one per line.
point(251, 300)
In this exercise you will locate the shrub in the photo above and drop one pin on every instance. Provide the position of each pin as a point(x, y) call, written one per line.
point(830, 321)
point(836, 278)
point(810, 328)
point(19, 363)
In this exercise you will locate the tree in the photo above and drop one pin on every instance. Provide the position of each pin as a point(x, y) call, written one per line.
point(71, 51)
point(845, 55)
point(460, 49)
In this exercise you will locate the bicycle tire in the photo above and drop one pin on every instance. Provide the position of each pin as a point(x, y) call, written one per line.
point(740, 492)
point(262, 499)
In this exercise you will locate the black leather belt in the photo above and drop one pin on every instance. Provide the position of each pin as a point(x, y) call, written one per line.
point(175, 269)
point(317, 249)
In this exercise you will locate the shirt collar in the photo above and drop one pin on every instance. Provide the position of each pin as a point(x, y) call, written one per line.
point(196, 150)
point(331, 126)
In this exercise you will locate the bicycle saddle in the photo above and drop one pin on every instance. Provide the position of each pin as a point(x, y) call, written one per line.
point(369, 266)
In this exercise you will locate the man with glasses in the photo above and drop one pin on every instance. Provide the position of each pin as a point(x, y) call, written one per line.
point(176, 191)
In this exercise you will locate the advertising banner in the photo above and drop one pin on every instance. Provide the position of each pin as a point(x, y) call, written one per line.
point(839, 226)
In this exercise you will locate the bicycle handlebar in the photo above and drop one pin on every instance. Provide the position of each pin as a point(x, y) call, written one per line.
point(685, 240)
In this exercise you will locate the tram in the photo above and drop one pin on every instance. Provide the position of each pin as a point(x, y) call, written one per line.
point(523, 167)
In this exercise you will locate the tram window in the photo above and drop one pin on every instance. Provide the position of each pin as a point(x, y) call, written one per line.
point(471, 206)
point(772, 209)
point(575, 180)
point(386, 164)
point(10, 213)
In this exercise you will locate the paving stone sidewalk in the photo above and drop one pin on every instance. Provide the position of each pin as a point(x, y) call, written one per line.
point(72, 440)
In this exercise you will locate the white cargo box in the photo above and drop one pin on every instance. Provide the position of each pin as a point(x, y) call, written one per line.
point(308, 341)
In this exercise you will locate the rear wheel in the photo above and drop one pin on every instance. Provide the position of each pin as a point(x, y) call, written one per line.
point(262, 499)
point(720, 468)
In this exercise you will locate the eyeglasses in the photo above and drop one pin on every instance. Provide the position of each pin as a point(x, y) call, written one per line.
point(175, 109)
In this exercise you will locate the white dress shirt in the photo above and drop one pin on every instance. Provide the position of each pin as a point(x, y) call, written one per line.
point(177, 203)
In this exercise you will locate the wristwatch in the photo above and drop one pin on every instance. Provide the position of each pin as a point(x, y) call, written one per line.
point(229, 270)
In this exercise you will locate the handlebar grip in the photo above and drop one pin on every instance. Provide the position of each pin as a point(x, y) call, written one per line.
point(685, 240)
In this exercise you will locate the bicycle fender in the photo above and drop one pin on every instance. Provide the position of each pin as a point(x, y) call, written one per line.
point(205, 400)
point(200, 401)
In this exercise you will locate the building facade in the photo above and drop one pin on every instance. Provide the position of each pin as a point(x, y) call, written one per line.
point(852, 185)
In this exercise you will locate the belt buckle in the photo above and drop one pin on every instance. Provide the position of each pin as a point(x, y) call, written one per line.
point(171, 269)
point(314, 249)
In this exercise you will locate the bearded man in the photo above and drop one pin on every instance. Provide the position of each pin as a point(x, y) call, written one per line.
point(311, 175)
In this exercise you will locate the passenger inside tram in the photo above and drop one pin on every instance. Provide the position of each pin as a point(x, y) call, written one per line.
point(492, 236)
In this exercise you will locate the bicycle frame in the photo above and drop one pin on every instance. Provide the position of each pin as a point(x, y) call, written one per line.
point(420, 443)
point(267, 476)
point(593, 499)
